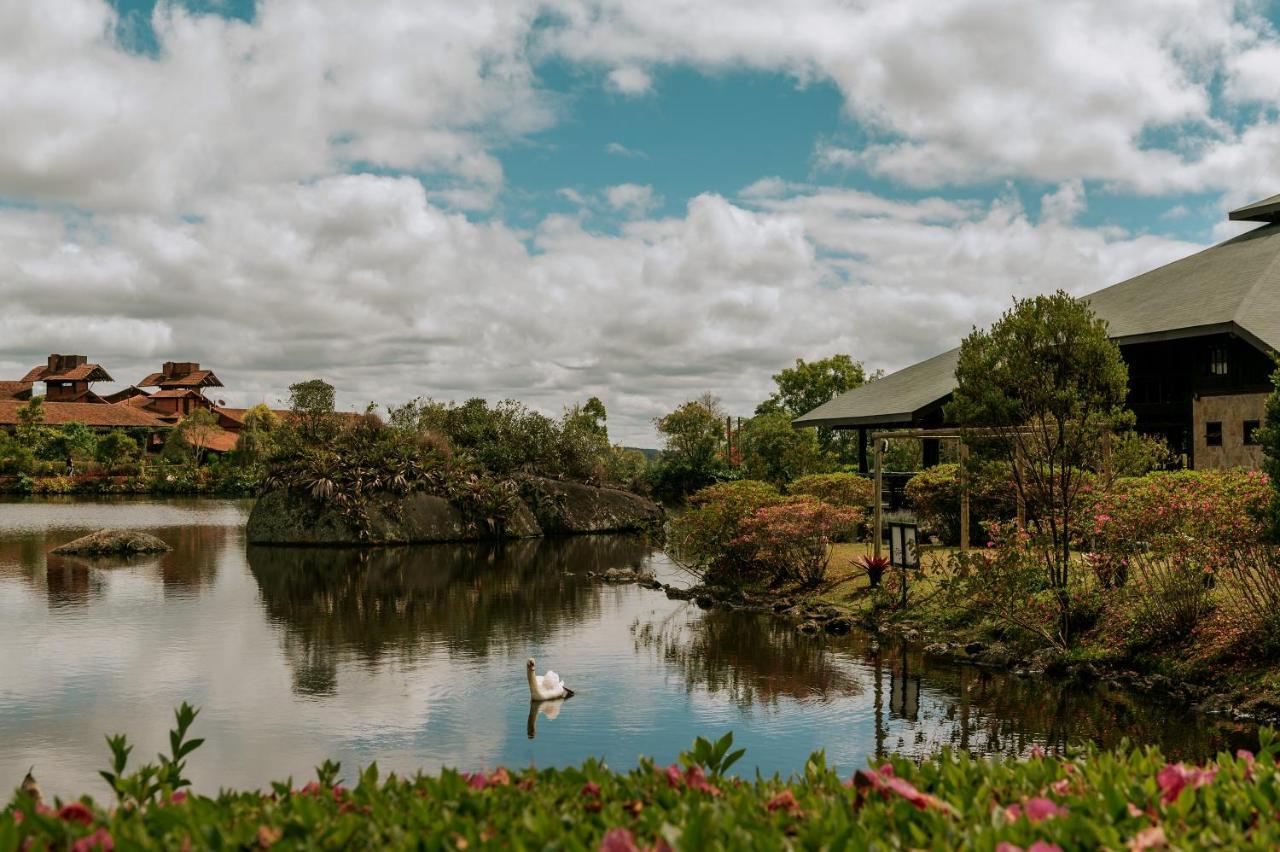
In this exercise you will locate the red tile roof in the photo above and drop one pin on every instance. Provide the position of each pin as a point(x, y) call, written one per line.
point(15, 390)
point(90, 414)
point(220, 441)
point(175, 393)
point(197, 379)
point(82, 373)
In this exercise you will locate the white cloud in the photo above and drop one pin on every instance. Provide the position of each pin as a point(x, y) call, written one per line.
point(630, 80)
point(303, 90)
point(618, 149)
point(1063, 204)
point(364, 281)
point(631, 197)
point(976, 90)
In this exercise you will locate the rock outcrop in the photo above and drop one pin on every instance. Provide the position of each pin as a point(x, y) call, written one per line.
point(572, 508)
point(113, 543)
point(293, 518)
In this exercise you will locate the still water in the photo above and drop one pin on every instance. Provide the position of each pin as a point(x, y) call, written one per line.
point(414, 657)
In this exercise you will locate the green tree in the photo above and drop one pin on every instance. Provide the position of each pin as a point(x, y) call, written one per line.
point(196, 430)
point(1046, 379)
point(73, 442)
point(115, 448)
point(775, 451)
point(808, 384)
point(312, 404)
point(693, 439)
point(1269, 437)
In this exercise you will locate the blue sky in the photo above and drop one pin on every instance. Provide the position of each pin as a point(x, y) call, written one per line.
point(548, 199)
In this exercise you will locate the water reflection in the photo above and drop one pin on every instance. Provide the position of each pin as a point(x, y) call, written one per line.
point(472, 599)
point(550, 709)
point(753, 659)
point(414, 657)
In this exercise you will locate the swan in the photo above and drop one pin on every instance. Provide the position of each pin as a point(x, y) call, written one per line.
point(547, 687)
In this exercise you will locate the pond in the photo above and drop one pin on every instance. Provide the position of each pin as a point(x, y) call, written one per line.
point(414, 657)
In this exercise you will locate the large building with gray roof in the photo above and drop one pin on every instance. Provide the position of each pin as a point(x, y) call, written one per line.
point(1198, 334)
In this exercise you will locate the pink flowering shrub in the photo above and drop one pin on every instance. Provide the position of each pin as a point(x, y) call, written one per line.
point(792, 541)
point(1171, 510)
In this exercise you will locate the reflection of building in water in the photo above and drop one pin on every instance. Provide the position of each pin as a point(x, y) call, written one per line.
point(336, 604)
point(904, 690)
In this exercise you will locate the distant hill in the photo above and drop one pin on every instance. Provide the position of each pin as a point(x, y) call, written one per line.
point(649, 455)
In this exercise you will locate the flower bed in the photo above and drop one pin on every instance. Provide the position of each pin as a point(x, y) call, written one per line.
point(1118, 800)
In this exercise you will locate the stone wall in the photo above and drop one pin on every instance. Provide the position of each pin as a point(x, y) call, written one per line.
point(1231, 410)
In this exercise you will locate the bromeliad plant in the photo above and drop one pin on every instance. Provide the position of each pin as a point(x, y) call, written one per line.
point(1086, 799)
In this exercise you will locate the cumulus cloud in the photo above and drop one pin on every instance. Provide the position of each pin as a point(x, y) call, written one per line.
point(363, 280)
point(977, 90)
point(631, 197)
point(630, 80)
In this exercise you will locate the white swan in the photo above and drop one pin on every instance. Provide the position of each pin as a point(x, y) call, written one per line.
point(547, 687)
point(550, 709)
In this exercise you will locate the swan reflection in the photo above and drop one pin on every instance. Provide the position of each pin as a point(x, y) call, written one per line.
point(550, 709)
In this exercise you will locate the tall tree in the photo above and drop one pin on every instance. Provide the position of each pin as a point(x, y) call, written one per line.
point(1046, 380)
point(808, 384)
point(693, 439)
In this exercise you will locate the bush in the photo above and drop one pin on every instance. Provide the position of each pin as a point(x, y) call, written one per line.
point(847, 490)
point(1164, 598)
point(792, 540)
point(703, 539)
point(1167, 510)
point(934, 493)
point(1130, 798)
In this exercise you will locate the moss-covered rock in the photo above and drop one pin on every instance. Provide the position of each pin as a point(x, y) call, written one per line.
point(113, 543)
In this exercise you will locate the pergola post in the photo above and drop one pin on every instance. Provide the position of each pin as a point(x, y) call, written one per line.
point(879, 499)
point(964, 496)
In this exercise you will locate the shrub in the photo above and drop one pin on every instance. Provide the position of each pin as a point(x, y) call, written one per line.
point(792, 540)
point(934, 493)
point(1167, 510)
point(1164, 598)
point(847, 490)
point(703, 539)
point(1130, 798)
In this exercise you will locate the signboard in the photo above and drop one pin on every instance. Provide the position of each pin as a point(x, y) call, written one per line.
point(903, 551)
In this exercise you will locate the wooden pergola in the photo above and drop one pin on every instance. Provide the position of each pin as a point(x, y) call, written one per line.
point(951, 434)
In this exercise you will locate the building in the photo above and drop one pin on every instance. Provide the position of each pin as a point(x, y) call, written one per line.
point(67, 378)
point(1198, 335)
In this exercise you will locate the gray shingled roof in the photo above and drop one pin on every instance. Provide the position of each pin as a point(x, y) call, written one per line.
point(1233, 286)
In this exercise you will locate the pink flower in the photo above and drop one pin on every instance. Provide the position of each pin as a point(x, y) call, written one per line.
point(178, 797)
point(1062, 786)
point(1177, 776)
point(100, 840)
point(884, 782)
point(784, 801)
point(75, 812)
point(1035, 810)
point(674, 778)
point(697, 780)
point(1037, 751)
point(477, 781)
point(618, 840)
point(1038, 846)
point(591, 790)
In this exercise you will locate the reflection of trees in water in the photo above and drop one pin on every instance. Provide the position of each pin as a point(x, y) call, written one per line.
point(467, 597)
point(67, 580)
point(753, 659)
point(921, 706)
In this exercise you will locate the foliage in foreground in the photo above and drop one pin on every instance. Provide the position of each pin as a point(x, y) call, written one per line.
point(1131, 799)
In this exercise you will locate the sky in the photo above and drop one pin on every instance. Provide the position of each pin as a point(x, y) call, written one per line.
point(640, 200)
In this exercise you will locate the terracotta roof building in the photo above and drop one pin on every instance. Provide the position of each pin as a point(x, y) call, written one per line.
point(181, 374)
point(67, 377)
point(1197, 335)
point(15, 390)
point(93, 414)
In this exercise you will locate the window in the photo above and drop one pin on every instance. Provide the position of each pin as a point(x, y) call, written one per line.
point(1217, 360)
point(1213, 433)
point(1251, 428)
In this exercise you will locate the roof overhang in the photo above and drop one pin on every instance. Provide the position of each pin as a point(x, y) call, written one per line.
point(1195, 331)
point(1266, 210)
